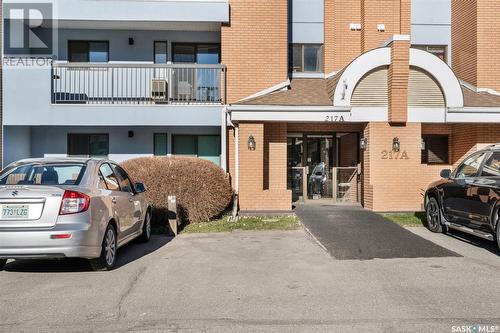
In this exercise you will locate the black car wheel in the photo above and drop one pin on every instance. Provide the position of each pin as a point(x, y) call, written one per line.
point(433, 216)
point(3, 262)
point(107, 260)
point(498, 231)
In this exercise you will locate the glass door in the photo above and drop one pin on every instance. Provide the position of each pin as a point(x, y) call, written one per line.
point(319, 159)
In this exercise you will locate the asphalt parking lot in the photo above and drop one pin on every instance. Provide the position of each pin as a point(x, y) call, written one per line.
point(253, 281)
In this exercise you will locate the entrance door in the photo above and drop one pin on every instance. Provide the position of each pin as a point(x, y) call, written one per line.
point(312, 159)
point(320, 152)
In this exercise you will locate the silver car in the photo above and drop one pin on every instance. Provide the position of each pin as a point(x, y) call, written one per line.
point(70, 207)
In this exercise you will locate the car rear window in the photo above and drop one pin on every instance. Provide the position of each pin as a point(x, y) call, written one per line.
point(43, 174)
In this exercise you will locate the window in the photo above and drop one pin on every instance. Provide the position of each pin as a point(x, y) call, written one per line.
point(123, 179)
point(435, 149)
point(88, 145)
point(160, 52)
point(470, 167)
point(109, 177)
point(438, 50)
point(85, 51)
point(196, 53)
point(160, 144)
point(307, 58)
point(492, 166)
point(206, 147)
point(44, 174)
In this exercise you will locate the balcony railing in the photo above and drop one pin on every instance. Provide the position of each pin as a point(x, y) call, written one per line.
point(90, 83)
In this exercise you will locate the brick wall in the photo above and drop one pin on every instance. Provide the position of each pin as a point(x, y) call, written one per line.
point(395, 14)
point(255, 46)
point(476, 42)
point(343, 45)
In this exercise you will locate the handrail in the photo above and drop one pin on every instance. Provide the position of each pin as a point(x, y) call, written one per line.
point(135, 65)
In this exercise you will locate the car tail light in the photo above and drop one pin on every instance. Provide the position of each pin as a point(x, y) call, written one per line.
point(74, 202)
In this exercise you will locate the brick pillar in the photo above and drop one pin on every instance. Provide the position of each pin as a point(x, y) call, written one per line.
point(263, 171)
point(391, 180)
point(251, 165)
point(399, 71)
point(276, 139)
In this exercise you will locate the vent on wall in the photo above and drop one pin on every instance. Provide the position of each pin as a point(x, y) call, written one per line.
point(372, 89)
point(423, 90)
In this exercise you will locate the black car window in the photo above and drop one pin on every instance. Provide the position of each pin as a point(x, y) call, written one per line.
point(492, 166)
point(123, 179)
point(470, 167)
point(109, 177)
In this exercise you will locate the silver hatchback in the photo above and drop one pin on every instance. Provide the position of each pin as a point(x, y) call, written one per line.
point(70, 207)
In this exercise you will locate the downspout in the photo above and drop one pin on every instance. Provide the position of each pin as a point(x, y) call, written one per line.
point(236, 172)
point(225, 122)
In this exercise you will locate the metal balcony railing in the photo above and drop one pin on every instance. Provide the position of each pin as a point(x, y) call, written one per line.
point(91, 83)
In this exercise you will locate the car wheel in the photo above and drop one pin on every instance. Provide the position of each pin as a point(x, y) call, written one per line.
point(498, 231)
point(3, 262)
point(146, 228)
point(433, 216)
point(109, 248)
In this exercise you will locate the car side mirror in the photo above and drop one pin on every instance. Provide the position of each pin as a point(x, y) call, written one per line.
point(140, 188)
point(446, 173)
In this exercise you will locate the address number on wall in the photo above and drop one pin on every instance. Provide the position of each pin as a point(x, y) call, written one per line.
point(394, 155)
point(335, 119)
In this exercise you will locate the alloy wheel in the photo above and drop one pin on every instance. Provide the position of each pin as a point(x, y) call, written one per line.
point(432, 214)
point(110, 248)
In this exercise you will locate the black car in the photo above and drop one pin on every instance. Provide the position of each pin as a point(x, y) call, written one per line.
point(468, 199)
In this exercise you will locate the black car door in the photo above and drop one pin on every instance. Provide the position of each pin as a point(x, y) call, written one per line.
point(456, 200)
point(483, 193)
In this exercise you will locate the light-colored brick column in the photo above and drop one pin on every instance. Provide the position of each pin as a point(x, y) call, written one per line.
point(392, 179)
point(277, 155)
point(251, 164)
point(399, 71)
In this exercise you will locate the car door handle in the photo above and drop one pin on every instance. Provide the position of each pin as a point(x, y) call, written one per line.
point(113, 200)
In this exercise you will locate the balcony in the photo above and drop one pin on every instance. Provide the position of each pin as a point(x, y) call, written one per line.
point(138, 84)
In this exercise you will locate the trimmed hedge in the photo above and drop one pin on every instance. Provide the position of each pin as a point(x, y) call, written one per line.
point(201, 187)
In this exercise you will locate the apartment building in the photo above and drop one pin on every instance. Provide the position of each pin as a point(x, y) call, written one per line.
point(337, 100)
point(369, 109)
point(127, 79)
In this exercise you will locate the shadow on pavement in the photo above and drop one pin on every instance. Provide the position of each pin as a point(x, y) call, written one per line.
point(474, 240)
point(126, 255)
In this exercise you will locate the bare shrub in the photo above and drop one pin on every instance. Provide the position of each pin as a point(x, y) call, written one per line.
point(201, 187)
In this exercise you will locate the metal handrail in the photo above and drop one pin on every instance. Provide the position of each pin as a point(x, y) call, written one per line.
point(136, 65)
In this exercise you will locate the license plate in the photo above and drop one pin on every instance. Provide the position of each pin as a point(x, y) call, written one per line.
point(14, 212)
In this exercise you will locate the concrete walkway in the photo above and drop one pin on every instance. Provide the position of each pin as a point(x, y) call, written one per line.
point(351, 232)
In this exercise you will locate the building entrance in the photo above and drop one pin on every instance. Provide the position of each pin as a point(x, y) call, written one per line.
point(323, 166)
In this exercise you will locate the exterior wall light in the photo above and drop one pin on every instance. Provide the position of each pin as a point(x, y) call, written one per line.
point(252, 145)
point(422, 144)
point(396, 145)
point(363, 143)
